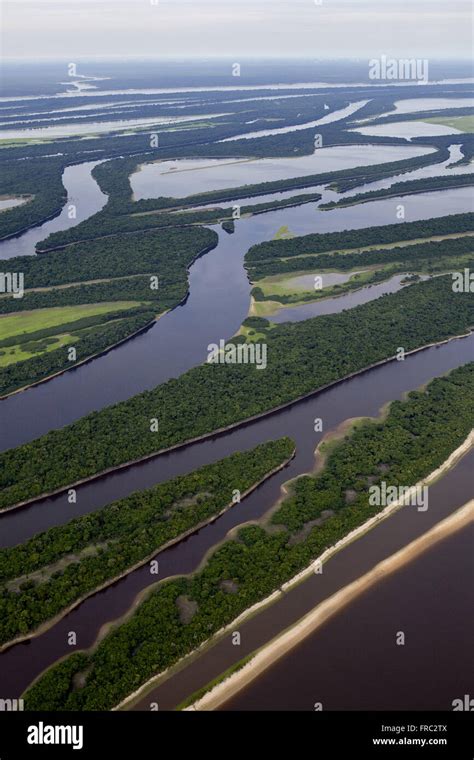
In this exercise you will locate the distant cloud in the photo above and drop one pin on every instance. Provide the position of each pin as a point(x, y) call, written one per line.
point(336, 28)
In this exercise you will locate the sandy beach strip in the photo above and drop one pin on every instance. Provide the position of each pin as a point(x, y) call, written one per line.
point(453, 458)
point(281, 645)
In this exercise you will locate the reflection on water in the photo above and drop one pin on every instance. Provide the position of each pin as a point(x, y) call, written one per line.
point(76, 128)
point(429, 104)
point(341, 113)
point(166, 178)
point(307, 281)
point(442, 169)
point(408, 130)
point(340, 303)
point(6, 203)
point(82, 191)
point(180, 338)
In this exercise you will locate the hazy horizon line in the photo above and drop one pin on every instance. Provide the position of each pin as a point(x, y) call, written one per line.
point(141, 57)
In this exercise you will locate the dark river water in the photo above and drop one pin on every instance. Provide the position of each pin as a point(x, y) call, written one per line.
point(82, 191)
point(334, 666)
point(218, 285)
point(178, 341)
point(339, 303)
point(360, 396)
point(353, 662)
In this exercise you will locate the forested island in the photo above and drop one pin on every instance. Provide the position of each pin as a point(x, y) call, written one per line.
point(108, 276)
point(450, 254)
point(302, 358)
point(55, 569)
point(121, 214)
point(416, 436)
point(87, 336)
point(358, 239)
point(147, 278)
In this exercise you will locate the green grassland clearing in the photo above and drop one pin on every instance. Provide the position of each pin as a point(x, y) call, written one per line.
point(24, 322)
point(463, 123)
point(20, 325)
point(22, 351)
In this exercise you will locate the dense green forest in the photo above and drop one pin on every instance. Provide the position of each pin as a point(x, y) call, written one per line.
point(36, 177)
point(133, 288)
point(302, 357)
point(51, 571)
point(166, 253)
point(429, 257)
point(122, 215)
point(467, 151)
point(110, 257)
point(416, 437)
point(193, 139)
point(229, 226)
point(353, 239)
point(103, 271)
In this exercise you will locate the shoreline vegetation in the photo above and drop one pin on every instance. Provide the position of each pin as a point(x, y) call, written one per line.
point(222, 431)
point(41, 179)
point(272, 268)
point(414, 442)
point(362, 269)
point(152, 254)
point(89, 344)
point(28, 468)
point(143, 512)
point(31, 226)
point(372, 245)
point(216, 692)
point(400, 189)
point(84, 361)
point(122, 214)
point(235, 426)
point(57, 289)
point(258, 662)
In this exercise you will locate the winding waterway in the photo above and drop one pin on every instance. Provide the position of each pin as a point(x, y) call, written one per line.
point(82, 191)
point(339, 303)
point(218, 285)
point(359, 396)
point(166, 178)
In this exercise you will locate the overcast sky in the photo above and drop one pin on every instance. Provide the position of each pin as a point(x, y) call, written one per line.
point(325, 28)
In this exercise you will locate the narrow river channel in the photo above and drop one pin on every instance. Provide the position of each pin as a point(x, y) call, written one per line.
point(218, 285)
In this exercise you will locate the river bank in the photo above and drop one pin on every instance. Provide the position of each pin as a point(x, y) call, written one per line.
point(172, 542)
point(226, 429)
point(456, 455)
point(278, 648)
point(190, 329)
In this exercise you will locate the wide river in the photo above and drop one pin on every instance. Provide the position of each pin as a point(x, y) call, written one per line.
point(353, 661)
point(219, 286)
